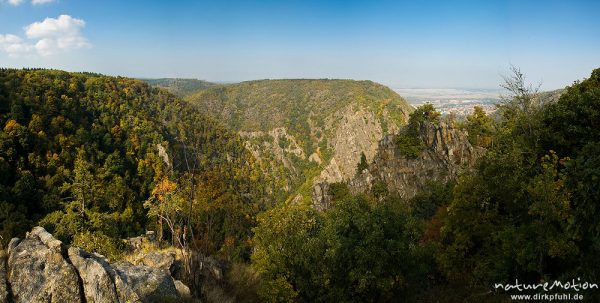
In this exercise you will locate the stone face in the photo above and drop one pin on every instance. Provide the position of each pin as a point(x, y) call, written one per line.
point(98, 286)
point(321, 196)
point(447, 153)
point(150, 284)
point(182, 289)
point(358, 131)
point(41, 269)
point(162, 261)
point(38, 271)
point(3, 282)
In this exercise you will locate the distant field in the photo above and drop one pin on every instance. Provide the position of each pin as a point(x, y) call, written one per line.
point(450, 100)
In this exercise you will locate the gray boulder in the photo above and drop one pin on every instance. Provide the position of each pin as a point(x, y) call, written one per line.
point(182, 289)
point(3, 285)
point(98, 285)
point(150, 284)
point(38, 271)
point(162, 261)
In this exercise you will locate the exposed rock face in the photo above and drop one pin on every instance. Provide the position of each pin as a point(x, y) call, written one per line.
point(42, 269)
point(3, 282)
point(38, 272)
point(321, 197)
point(98, 284)
point(150, 284)
point(447, 152)
point(162, 261)
point(358, 132)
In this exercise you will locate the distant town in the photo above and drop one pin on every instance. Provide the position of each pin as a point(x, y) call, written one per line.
point(459, 102)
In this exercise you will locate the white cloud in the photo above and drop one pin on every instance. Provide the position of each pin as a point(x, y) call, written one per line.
point(14, 46)
point(15, 2)
point(51, 36)
point(36, 2)
point(64, 25)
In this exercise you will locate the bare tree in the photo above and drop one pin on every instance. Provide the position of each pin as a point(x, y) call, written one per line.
point(522, 103)
point(524, 95)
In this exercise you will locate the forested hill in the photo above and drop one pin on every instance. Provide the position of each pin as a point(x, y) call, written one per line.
point(265, 104)
point(305, 129)
point(180, 87)
point(81, 153)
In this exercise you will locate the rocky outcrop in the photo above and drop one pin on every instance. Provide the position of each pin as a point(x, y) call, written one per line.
point(447, 152)
point(162, 261)
point(150, 284)
point(42, 269)
point(320, 197)
point(99, 278)
point(39, 272)
point(3, 283)
point(358, 131)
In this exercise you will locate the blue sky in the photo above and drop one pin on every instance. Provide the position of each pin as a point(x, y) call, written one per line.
point(467, 44)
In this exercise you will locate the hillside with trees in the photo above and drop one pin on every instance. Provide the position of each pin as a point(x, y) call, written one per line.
point(307, 131)
point(95, 159)
point(180, 87)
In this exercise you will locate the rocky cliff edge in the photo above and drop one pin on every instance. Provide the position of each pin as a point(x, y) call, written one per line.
point(40, 268)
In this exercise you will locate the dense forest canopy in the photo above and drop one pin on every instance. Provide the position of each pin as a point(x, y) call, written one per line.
point(81, 153)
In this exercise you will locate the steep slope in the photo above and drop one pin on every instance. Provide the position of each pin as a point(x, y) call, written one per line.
point(82, 152)
point(447, 152)
point(307, 131)
point(178, 86)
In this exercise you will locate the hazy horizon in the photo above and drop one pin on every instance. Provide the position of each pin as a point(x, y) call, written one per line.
point(430, 44)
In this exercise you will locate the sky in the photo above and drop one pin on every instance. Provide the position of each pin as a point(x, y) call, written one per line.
point(402, 44)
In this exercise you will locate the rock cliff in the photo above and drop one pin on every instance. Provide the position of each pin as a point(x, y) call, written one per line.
point(447, 152)
point(41, 268)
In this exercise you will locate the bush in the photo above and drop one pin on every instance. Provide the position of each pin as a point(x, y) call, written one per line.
point(99, 243)
point(409, 141)
point(409, 145)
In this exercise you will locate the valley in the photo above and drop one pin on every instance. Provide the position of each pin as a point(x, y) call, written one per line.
point(289, 190)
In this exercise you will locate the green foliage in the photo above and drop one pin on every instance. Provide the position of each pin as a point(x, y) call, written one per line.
point(480, 127)
point(338, 191)
point(527, 211)
point(409, 140)
point(423, 113)
point(574, 121)
point(379, 190)
point(362, 165)
point(180, 87)
point(99, 243)
point(278, 290)
point(435, 195)
point(409, 145)
point(347, 254)
point(244, 283)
